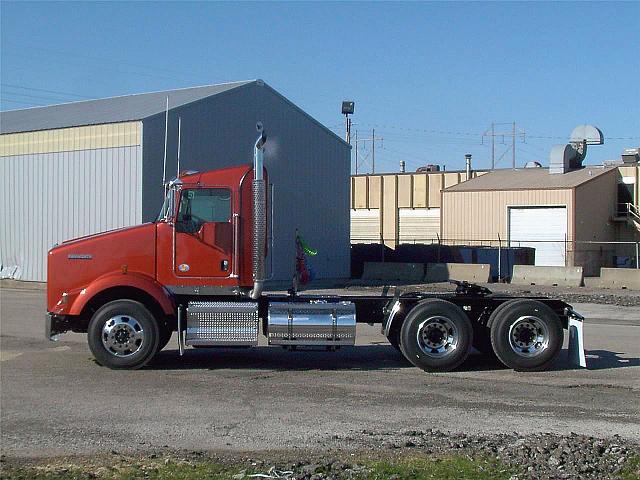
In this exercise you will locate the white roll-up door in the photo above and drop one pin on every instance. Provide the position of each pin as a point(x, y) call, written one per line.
point(543, 228)
point(365, 226)
point(419, 225)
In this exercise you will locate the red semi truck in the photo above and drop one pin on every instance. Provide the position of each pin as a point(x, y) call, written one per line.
point(199, 270)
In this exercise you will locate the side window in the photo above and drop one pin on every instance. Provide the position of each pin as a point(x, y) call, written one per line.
point(203, 205)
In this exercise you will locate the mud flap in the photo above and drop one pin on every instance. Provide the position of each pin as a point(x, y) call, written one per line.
point(576, 343)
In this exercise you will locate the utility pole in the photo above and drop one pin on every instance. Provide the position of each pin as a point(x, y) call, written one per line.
point(513, 146)
point(493, 146)
point(356, 151)
point(373, 151)
point(373, 139)
point(514, 133)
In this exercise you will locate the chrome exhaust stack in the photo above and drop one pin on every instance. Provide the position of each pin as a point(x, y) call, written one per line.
point(259, 215)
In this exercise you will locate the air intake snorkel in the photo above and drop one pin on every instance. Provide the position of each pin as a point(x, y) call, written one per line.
point(259, 215)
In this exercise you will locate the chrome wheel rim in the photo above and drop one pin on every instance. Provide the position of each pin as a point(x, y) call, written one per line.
point(122, 335)
point(528, 336)
point(437, 336)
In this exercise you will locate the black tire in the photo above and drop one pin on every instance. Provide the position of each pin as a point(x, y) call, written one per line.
point(422, 337)
point(131, 318)
point(482, 334)
point(526, 335)
point(482, 340)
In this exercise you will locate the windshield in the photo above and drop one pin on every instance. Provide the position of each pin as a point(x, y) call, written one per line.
point(167, 207)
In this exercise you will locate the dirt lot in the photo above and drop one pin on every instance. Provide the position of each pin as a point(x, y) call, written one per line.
point(56, 401)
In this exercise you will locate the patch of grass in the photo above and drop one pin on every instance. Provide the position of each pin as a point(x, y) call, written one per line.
point(443, 468)
point(631, 470)
point(137, 471)
point(405, 468)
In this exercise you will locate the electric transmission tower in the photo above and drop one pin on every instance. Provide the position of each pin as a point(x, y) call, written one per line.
point(502, 133)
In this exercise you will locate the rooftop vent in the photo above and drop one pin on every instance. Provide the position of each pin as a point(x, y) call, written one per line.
point(631, 155)
point(564, 158)
point(428, 168)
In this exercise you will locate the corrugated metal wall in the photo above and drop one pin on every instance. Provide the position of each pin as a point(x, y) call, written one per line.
point(49, 197)
point(482, 216)
point(407, 205)
point(308, 165)
point(419, 225)
point(365, 226)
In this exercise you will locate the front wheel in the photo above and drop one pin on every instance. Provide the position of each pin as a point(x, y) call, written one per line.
point(526, 335)
point(123, 334)
point(436, 336)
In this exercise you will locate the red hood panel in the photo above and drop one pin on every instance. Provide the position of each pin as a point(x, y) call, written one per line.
point(74, 264)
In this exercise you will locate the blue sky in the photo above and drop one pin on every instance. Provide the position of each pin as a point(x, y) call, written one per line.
point(429, 77)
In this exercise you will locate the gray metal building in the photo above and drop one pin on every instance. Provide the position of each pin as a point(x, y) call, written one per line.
point(84, 167)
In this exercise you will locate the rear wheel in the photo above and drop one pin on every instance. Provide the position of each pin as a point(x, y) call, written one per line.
point(436, 336)
point(526, 335)
point(123, 334)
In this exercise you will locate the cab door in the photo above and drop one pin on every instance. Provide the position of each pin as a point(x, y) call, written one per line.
point(204, 233)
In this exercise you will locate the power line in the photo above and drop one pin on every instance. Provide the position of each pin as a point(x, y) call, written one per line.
point(10, 85)
point(99, 62)
point(18, 102)
point(442, 132)
point(36, 97)
point(480, 134)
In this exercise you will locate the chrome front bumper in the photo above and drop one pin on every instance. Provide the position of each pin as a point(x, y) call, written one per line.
point(54, 326)
point(575, 322)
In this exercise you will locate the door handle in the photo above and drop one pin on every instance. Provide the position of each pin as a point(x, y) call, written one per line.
point(224, 265)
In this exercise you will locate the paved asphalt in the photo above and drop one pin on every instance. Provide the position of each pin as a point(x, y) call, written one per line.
point(55, 400)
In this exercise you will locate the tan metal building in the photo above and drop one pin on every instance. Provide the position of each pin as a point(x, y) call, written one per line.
point(399, 208)
point(571, 219)
point(563, 216)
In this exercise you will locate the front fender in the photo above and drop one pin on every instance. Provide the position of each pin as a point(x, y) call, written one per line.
point(133, 280)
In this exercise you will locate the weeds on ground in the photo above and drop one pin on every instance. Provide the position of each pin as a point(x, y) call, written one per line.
point(631, 470)
point(452, 467)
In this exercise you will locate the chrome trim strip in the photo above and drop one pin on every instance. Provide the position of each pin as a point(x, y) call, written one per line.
point(236, 246)
point(206, 290)
point(180, 336)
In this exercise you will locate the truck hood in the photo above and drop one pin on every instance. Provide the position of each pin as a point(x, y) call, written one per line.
point(73, 265)
point(101, 234)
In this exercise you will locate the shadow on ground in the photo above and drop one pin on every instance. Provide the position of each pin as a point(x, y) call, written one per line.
point(361, 357)
point(603, 359)
point(358, 358)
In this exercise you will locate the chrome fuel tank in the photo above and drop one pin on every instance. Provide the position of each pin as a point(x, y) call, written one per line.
point(316, 323)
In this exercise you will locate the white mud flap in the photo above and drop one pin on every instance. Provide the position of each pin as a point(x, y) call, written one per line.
point(576, 341)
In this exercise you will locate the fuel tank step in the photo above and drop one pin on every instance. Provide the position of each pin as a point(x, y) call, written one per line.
point(222, 324)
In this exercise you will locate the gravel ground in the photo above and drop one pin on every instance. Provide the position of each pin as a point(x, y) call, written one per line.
point(627, 298)
point(538, 456)
point(324, 415)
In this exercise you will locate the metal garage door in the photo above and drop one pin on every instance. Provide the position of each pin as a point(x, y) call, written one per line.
point(365, 226)
point(543, 228)
point(419, 225)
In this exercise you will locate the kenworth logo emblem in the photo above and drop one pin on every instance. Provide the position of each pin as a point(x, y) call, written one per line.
point(79, 256)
